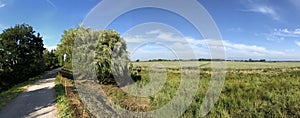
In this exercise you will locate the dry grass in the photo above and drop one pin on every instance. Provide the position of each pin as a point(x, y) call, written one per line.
point(77, 107)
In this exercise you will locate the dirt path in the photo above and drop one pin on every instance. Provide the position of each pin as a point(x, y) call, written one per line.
point(37, 101)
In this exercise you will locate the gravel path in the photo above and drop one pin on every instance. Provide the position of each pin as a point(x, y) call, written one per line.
point(37, 101)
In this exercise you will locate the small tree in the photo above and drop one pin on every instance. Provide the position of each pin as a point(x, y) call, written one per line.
point(65, 48)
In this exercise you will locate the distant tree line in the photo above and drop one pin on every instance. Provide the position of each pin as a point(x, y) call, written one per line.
point(249, 60)
point(22, 55)
point(202, 59)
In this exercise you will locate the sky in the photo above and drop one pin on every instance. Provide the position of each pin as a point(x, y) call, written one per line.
point(257, 29)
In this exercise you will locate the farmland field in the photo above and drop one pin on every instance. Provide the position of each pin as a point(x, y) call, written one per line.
point(230, 65)
point(251, 89)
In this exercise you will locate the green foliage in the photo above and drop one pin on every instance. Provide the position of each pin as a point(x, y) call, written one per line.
point(84, 50)
point(111, 58)
point(95, 51)
point(65, 48)
point(21, 53)
point(62, 103)
point(50, 59)
point(267, 92)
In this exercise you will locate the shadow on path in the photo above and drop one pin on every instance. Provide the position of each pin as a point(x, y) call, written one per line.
point(37, 101)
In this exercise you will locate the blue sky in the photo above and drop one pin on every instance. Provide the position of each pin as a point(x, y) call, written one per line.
point(256, 29)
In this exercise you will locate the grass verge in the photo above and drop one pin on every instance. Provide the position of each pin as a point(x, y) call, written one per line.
point(62, 104)
point(76, 106)
point(8, 95)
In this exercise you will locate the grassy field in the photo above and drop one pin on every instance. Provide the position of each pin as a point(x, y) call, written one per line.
point(251, 89)
point(229, 65)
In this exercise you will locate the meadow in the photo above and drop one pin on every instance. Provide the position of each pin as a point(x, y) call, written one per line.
point(251, 89)
point(229, 64)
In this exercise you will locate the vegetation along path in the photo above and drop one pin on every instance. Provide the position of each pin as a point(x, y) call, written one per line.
point(37, 101)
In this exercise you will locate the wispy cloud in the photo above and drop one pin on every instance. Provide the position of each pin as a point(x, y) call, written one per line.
point(297, 43)
point(2, 5)
point(282, 34)
point(2, 27)
point(157, 35)
point(267, 10)
point(184, 45)
point(51, 3)
point(236, 29)
point(250, 49)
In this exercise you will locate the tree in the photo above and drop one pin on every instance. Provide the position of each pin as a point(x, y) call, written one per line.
point(95, 51)
point(50, 59)
point(21, 53)
point(111, 58)
point(99, 51)
point(65, 48)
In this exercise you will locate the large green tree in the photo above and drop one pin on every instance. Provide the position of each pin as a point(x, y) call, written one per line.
point(111, 58)
point(95, 51)
point(21, 51)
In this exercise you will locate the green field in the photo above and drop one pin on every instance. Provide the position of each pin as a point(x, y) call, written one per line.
point(251, 89)
point(229, 65)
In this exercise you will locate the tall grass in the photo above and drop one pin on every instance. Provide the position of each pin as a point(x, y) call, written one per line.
point(268, 92)
point(262, 94)
point(249, 90)
point(62, 103)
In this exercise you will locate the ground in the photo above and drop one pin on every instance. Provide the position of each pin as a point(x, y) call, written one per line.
point(37, 101)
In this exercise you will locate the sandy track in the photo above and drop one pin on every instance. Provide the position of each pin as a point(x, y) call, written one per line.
point(37, 101)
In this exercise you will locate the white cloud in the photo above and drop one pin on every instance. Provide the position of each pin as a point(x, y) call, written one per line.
point(189, 47)
point(297, 43)
point(282, 34)
point(257, 50)
point(134, 39)
point(1, 26)
point(236, 29)
point(153, 32)
point(155, 35)
point(262, 9)
point(49, 48)
point(2, 5)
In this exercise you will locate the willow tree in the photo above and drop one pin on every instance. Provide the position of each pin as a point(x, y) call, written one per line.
point(100, 54)
point(111, 57)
